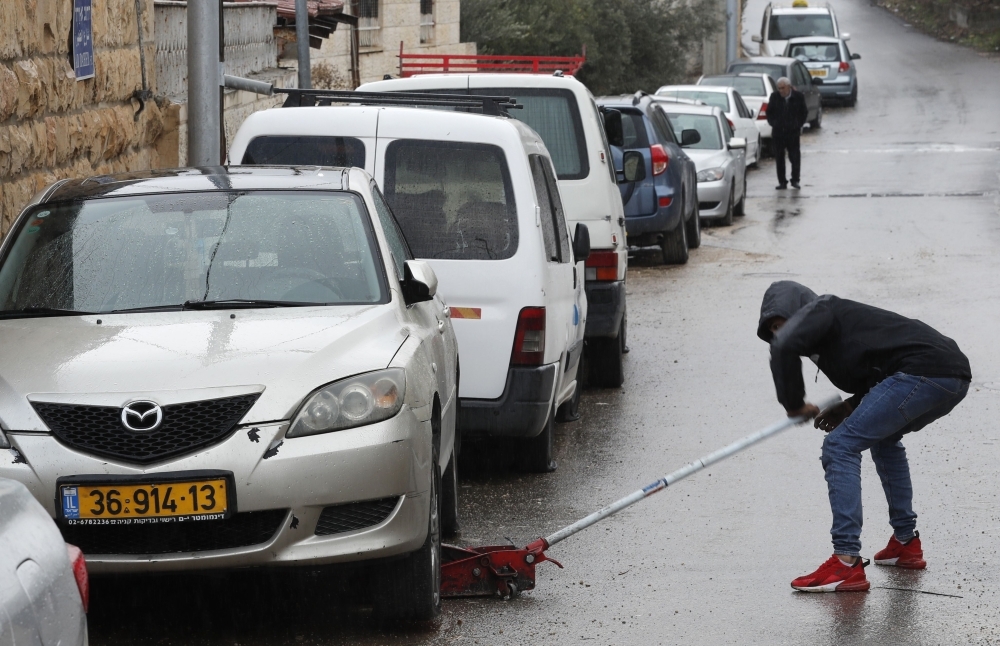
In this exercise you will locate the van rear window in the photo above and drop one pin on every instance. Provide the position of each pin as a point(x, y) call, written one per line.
point(555, 115)
point(305, 151)
point(452, 200)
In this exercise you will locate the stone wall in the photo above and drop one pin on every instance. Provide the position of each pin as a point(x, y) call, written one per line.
point(53, 126)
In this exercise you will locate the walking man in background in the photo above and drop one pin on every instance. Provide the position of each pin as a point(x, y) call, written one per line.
point(787, 113)
point(903, 375)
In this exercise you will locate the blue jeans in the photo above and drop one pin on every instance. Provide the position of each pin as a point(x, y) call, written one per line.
point(898, 405)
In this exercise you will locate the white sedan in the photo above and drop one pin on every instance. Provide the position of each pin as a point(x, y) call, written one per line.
point(735, 110)
point(718, 156)
point(755, 89)
point(231, 368)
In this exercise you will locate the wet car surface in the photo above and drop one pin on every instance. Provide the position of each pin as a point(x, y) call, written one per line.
point(899, 208)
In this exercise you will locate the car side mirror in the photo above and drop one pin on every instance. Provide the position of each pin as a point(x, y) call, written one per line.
point(855, 57)
point(845, 37)
point(419, 282)
point(690, 137)
point(737, 143)
point(613, 127)
point(753, 113)
point(755, 38)
point(581, 242)
point(634, 166)
point(816, 81)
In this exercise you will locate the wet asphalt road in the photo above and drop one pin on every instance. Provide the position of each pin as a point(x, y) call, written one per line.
point(899, 208)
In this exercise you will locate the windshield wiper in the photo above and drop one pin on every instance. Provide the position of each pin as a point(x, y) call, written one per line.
point(29, 312)
point(243, 303)
point(175, 307)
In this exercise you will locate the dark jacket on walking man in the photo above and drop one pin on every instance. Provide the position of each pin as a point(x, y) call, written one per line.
point(902, 374)
point(787, 113)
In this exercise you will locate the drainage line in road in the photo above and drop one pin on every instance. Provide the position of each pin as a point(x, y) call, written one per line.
point(936, 594)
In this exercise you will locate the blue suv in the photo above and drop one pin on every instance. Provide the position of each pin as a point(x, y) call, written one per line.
point(661, 208)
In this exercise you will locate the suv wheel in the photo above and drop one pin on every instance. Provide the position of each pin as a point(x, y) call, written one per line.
point(693, 225)
point(674, 246)
point(536, 452)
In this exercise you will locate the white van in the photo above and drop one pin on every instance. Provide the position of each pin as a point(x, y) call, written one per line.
point(476, 197)
point(562, 110)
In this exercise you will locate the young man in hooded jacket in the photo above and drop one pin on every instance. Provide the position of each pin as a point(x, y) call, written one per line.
point(902, 374)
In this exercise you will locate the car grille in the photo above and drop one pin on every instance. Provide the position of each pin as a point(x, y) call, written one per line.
point(98, 430)
point(356, 515)
point(241, 530)
point(708, 206)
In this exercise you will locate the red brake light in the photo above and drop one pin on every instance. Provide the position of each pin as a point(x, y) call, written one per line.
point(666, 200)
point(529, 337)
point(660, 158)
point(79, 565)
point(844, 66)
point(602, 265)
point(731, 126)
point(763, 112)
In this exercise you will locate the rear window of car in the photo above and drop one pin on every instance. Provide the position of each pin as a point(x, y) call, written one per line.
point(634, 129)
point(815, 52)
point(555, 115)
point(787, 26)
point(706, 125)
point(745, 85)
point(452, 200)
point(717, 99)
point(305, 151)
point(777, 71)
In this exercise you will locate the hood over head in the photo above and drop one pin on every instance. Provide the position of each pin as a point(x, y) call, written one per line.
point(783, 298)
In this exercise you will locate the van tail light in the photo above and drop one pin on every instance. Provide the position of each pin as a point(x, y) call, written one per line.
point(763, 112)
point(602, 265)
point(731, 126)
point(844, 66)
point(79, 565)
point(660, 158)
point(529, 337)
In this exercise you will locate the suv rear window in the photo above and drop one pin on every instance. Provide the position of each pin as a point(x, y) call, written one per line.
point(452, 200)
point(634, 129)
point(555, 115)
point(305, 151)
point(786, 26)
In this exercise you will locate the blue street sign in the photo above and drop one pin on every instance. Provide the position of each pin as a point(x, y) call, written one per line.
point(83, 39)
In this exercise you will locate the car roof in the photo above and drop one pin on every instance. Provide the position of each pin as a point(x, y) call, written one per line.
point(696, 88)
point(814, 39)
point(434, 81)
point(214, 178)
point(777, 9)
point(685, 108)
point(772, 60)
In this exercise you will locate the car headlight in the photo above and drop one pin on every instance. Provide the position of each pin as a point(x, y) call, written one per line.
point(711, 175)
point(355, 401)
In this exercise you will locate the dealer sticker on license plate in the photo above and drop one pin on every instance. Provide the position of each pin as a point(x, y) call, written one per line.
point(125, 503)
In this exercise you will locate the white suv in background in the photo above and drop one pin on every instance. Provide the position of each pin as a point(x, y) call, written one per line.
point(782, 23)
point(563, 112)
point(476, 198)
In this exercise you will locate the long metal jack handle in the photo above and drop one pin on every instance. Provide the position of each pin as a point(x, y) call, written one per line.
point(539, 546)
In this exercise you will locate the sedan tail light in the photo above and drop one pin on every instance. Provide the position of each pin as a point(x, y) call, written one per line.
point(79, 565)
point(660, 158)
point(529, 337)
point(844, 66)
point(763, 112)
point(602, 265)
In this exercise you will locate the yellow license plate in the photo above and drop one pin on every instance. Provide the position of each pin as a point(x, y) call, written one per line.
point(128, 503)
point(819, 72)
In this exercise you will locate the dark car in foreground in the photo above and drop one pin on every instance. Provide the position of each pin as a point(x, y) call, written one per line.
point(662, 208)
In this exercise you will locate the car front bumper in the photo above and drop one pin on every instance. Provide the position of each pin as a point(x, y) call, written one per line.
point(713, 198)
point(521, 411)
point(294, 480)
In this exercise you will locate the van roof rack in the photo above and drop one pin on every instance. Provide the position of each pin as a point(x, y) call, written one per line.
point(489, 105)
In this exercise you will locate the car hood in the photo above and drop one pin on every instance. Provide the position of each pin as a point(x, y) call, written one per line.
point(704, 159)
point(172, 357)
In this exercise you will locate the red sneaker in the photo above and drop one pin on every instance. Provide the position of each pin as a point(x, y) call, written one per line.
point(910, 556)
point(834, 576)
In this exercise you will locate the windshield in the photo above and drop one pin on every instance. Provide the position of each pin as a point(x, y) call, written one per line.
point(706, 125)
point(745, 85)
point(815, 52)
point(156, 251)
point(717, 99)
point(788, 26)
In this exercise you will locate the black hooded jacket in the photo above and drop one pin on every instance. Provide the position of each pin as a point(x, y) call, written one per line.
point(854, 344)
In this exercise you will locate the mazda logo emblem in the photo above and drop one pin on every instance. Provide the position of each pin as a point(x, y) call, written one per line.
point(142, 416)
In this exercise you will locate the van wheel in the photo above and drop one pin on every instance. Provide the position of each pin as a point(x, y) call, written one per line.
point(693, 225)
point(570, 410)
point(413, 583)
point(536, 452)
point(449, 498)
point(674, 246)
point(607, 367)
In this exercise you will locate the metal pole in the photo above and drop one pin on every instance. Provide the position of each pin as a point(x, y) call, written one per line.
point(302, 40)
point(204, 89)
point(680, 474)
point(732, 30)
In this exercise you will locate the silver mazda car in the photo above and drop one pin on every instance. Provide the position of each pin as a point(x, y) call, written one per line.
point(212, 368)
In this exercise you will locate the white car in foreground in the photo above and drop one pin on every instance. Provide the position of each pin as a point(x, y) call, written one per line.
point(211, 368)
point(734, 109)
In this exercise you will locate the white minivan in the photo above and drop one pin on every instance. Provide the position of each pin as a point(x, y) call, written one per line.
point(476, 197)
point(563, 112)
